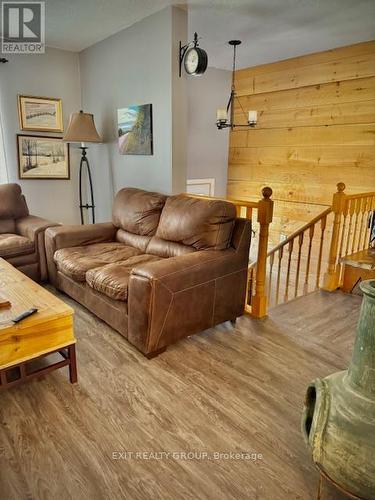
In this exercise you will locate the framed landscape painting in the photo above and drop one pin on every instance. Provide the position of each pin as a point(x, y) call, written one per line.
point(135, 130)
point(42, 157)
point(43, 114)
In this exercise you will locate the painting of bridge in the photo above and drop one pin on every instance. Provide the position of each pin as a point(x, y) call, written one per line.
point(40, 114)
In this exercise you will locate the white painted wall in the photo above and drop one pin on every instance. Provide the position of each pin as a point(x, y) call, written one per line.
point(53, 74)
point(135, 67)
point(207, 146)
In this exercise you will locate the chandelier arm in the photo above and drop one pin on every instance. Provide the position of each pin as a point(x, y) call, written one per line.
point(239, 102)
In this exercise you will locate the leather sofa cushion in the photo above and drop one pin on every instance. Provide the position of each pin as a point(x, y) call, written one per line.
point(137, 211)
point(164, 248)
point(76, 261)
point(113, 279)
point(202, 224)
point(7, 226)
point(133, 240)
point(12, 245)
point(12, 202)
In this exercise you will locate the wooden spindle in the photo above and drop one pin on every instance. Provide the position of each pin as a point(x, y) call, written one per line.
point(345, 217)
point(351, 213)
point(357, 208)
point(323, 224)
point(271, 257)
point(300, 243)
point(290, 250)
point(307, 275)
point(363, 210)
point(280, 258)
point(249, 213)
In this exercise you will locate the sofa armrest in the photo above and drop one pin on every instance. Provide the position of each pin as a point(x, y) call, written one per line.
point(33, 228)
point(179, 296)
point(73, 236)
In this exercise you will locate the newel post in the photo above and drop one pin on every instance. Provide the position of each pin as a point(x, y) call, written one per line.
point(331, 279)
point(265, 213)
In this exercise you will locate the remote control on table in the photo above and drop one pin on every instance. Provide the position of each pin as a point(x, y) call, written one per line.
point(25, 314)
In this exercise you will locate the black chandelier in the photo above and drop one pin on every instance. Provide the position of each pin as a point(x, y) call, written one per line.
point(222, 120)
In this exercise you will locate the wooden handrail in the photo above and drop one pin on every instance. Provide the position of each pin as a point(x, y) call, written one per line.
point(288, 273)
point(359, 195)
point(256, 303)
point(238, 203)
point(297, 233)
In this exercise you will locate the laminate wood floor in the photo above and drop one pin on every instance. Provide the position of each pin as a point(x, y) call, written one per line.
point(226, 390)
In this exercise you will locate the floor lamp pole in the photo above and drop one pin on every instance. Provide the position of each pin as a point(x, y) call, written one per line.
point(85, 162)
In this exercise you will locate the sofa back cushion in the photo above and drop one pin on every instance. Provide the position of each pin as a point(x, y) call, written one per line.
point(12, 202)
point(202, 224)
point(165, 248)
point(134, 240)
point(7, 226)
point(137, 211)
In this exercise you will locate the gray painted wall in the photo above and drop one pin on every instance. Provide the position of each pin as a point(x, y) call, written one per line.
point(135, 67)
point(138, 65)
point(53, 74)
point(207, 146)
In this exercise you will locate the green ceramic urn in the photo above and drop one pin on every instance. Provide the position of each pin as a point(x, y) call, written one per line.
point(338, 420)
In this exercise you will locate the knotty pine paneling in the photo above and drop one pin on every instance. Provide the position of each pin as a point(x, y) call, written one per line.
point(316, 127)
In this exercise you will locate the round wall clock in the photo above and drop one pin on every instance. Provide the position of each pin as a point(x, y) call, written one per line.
point(194, 58)
point(195, 61)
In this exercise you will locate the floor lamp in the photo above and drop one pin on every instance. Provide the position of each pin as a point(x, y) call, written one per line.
point(82, 129)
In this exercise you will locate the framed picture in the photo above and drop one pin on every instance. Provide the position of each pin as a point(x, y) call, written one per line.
point(41, 157)
point(135, 130)
point(43, 114)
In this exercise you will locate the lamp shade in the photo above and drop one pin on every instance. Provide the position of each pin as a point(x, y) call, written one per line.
point(81, 128)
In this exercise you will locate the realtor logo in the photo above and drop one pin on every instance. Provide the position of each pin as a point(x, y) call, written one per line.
point(23, 27)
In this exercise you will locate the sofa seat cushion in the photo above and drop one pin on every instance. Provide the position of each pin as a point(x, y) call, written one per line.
point(76, 261)
point(113, 279)
point(12, 245)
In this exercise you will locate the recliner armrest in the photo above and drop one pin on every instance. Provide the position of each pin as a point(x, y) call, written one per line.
point(31, 225)
point(33, 228)
point(73, 236)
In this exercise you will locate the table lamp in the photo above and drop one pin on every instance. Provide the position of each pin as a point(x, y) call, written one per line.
point(82, 129)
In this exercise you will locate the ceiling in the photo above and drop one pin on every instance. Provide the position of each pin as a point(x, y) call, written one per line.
point(270, 30)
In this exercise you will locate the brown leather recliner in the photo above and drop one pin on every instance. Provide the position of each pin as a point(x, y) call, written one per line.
point(21, 234)
point(163, 269)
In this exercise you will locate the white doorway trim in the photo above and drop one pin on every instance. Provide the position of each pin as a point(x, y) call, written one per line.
point(204, 187)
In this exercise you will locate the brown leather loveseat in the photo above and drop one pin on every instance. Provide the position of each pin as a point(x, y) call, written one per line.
point(21, 234)
point(163, 269)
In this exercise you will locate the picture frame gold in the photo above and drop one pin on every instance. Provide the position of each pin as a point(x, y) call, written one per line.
point(40, 114)
point(43, 157)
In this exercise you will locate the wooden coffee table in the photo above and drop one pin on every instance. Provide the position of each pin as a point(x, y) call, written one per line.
point(48, 331)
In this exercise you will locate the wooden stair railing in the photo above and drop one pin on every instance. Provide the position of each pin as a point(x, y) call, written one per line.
point(295, 265)
point(257, 302)
point(351, 231)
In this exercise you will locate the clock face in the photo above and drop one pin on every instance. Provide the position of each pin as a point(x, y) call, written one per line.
point(191, 61)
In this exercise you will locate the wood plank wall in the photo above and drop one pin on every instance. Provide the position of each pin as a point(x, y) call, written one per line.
point(316, 127)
